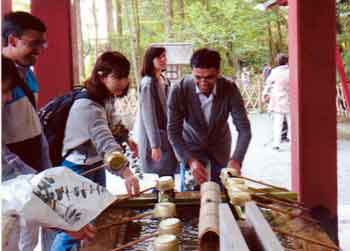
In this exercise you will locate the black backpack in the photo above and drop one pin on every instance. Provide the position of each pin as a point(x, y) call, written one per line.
point(53, 117)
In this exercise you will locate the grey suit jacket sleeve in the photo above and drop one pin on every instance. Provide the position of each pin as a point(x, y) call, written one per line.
point(148, 113)
point(242, 124)
point(176, 116)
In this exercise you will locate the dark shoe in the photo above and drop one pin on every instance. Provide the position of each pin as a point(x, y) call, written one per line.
point(277, 148)
point(285, 140)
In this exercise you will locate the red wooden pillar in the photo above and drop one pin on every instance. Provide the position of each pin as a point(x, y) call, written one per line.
point(313, 108)
point(6, 6)
point(54, 68)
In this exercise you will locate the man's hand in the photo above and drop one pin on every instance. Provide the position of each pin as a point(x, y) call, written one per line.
point(198, 171)
point(235, 165)
point(131, 182)
point(87, 233)
point(133, 147)
point(156, 154)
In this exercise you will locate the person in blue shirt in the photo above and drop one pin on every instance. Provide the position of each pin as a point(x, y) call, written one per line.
point(24, 39)
point(13, 166)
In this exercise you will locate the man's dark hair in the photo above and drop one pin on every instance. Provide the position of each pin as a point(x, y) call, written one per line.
point(205, 58)
point(109, 62)
point(281, 59)
point(147, 65)
point(16, 23)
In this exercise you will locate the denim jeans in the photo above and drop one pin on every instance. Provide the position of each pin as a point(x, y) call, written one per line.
point(62, 241)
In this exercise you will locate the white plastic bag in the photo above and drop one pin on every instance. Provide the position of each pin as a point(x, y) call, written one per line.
point(56, 197)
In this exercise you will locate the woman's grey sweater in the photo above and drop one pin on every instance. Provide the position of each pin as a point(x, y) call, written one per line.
point(87, 135)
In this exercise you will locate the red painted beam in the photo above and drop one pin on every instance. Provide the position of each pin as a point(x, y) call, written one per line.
point(282, 2)
point(312, 40)
point(54, 68)
point(6, 6)
point(343, 79)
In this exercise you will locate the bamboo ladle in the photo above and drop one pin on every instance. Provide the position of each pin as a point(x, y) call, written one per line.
point(161, 210)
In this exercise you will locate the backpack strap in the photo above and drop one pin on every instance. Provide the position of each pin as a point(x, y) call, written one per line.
point(27, 92)
point(81, 93)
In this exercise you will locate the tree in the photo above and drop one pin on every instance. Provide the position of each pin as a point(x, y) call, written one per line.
point(95, 23)
point(79, 32)
point(168, 13)
point(136, 25)
point(133, 40)
point(238, 30)
point(270, 42)
point(109, 19)
point(182, 9)
point(118, 23)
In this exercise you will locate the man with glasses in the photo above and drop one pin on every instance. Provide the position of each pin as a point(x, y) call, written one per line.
point(24, 39)
point(198, 109)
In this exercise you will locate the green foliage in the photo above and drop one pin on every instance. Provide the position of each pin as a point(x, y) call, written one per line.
point(343, 32)
point(236, 28)
point(21, 5)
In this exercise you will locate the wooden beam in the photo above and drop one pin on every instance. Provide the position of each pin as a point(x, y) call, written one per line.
point(313, 103)
point(231, 238)
point(263, 230)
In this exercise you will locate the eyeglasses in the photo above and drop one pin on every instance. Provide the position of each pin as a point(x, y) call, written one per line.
point(205, 78)
point(36, 44)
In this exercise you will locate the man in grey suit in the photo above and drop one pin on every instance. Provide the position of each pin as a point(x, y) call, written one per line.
point(198, 109)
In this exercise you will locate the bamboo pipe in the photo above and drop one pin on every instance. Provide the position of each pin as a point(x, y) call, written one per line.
point(288, 213)
point(261, 183)
point(131, 243)
point(297, 236)
point(280, 202)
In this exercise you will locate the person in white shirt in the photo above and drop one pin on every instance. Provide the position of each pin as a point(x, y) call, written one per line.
point(276, 93)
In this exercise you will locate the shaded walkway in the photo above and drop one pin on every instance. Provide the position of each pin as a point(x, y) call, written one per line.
point(274, 167)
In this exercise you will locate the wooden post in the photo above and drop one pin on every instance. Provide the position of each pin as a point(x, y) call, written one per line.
point(313, 104)
point(54, 68)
